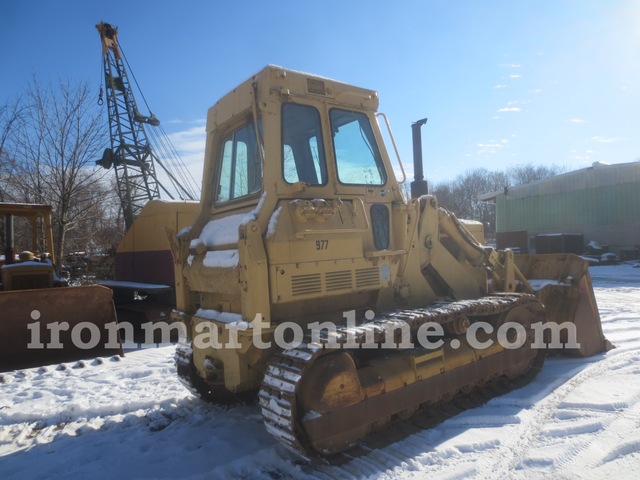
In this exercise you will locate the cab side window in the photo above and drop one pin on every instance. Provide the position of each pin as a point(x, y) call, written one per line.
point(240, 172)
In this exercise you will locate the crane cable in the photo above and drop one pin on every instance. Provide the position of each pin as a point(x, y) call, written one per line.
point(134, 78)
point(177, 167)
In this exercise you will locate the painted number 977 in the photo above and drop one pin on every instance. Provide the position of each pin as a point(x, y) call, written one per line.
point(322, 244)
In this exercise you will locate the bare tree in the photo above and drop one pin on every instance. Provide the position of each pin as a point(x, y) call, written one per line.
point(461, 195)
point(61, 135)
point(528, 173)
point(10, 117)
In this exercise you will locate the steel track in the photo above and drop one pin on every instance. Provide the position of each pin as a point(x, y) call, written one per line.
point(286, 370)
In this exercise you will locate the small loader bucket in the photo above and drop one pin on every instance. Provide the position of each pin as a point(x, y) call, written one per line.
point(563, 284)
point(53, 325)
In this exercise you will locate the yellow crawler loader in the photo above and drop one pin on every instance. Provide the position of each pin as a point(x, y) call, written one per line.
point(42, 321)
point(310, 280)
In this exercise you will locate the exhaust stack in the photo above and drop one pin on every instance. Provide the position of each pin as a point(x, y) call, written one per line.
point(419, 186)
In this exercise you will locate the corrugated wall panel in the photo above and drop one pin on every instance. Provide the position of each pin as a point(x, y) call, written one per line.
point(601, 202)
point(599, 206)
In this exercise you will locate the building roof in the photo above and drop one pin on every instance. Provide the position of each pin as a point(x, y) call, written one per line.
point(597, 175)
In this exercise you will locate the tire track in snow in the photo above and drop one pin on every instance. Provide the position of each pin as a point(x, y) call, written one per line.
point(430, 453)
point(544, 425)
point(35, 373)
point(619, 419)
point(503, 456)
point(537, 417)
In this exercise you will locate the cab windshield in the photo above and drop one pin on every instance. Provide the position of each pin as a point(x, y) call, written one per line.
point(358, 159)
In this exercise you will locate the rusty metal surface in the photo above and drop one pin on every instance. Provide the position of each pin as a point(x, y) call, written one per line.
point(569, 298)
point(84, 316)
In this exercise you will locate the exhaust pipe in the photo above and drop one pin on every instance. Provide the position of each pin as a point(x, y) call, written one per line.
point(419, 186)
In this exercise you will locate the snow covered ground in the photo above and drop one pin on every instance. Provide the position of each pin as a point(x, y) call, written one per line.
point(131, 418)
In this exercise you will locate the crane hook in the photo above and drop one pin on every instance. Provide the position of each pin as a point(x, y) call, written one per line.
point(100, 101)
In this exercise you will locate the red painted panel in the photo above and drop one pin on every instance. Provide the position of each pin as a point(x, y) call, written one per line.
point(145, 267)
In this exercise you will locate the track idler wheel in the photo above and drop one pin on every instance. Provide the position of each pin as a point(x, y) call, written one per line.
point(331, 384)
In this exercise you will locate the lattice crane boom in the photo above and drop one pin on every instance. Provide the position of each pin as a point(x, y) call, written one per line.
point(131, 154)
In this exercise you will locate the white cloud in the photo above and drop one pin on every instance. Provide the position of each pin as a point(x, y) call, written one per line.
point(510, 109)
point(186, 142)
point(515, 75)
point(492, 146)
point(601, 139)
point(190, 145)
point(190, 141)
point(489, 148)
point(577, 120)
point(178, 121)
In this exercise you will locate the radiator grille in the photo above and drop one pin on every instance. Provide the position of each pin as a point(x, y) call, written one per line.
point(305, 284)
point(367, 277)
point(338, 280)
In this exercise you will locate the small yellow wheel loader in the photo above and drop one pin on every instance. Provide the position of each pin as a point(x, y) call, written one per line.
point(42, 321)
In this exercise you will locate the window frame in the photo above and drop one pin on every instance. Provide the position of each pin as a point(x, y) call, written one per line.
point(230, 135)
point(378, 159)
point(322, 172)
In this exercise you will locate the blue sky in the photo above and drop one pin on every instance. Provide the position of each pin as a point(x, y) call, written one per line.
point(502, 82)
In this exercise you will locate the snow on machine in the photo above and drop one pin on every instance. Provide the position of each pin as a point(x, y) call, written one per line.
point(310, 280)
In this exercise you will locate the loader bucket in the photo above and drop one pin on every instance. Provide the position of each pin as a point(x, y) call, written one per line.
point(54, 325)
point(563, 285)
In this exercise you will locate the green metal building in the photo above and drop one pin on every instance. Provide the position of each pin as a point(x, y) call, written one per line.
point(601, 202)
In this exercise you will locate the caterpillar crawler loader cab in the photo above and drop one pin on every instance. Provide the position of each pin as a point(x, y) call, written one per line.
point(41, 324)
point(310, 280)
